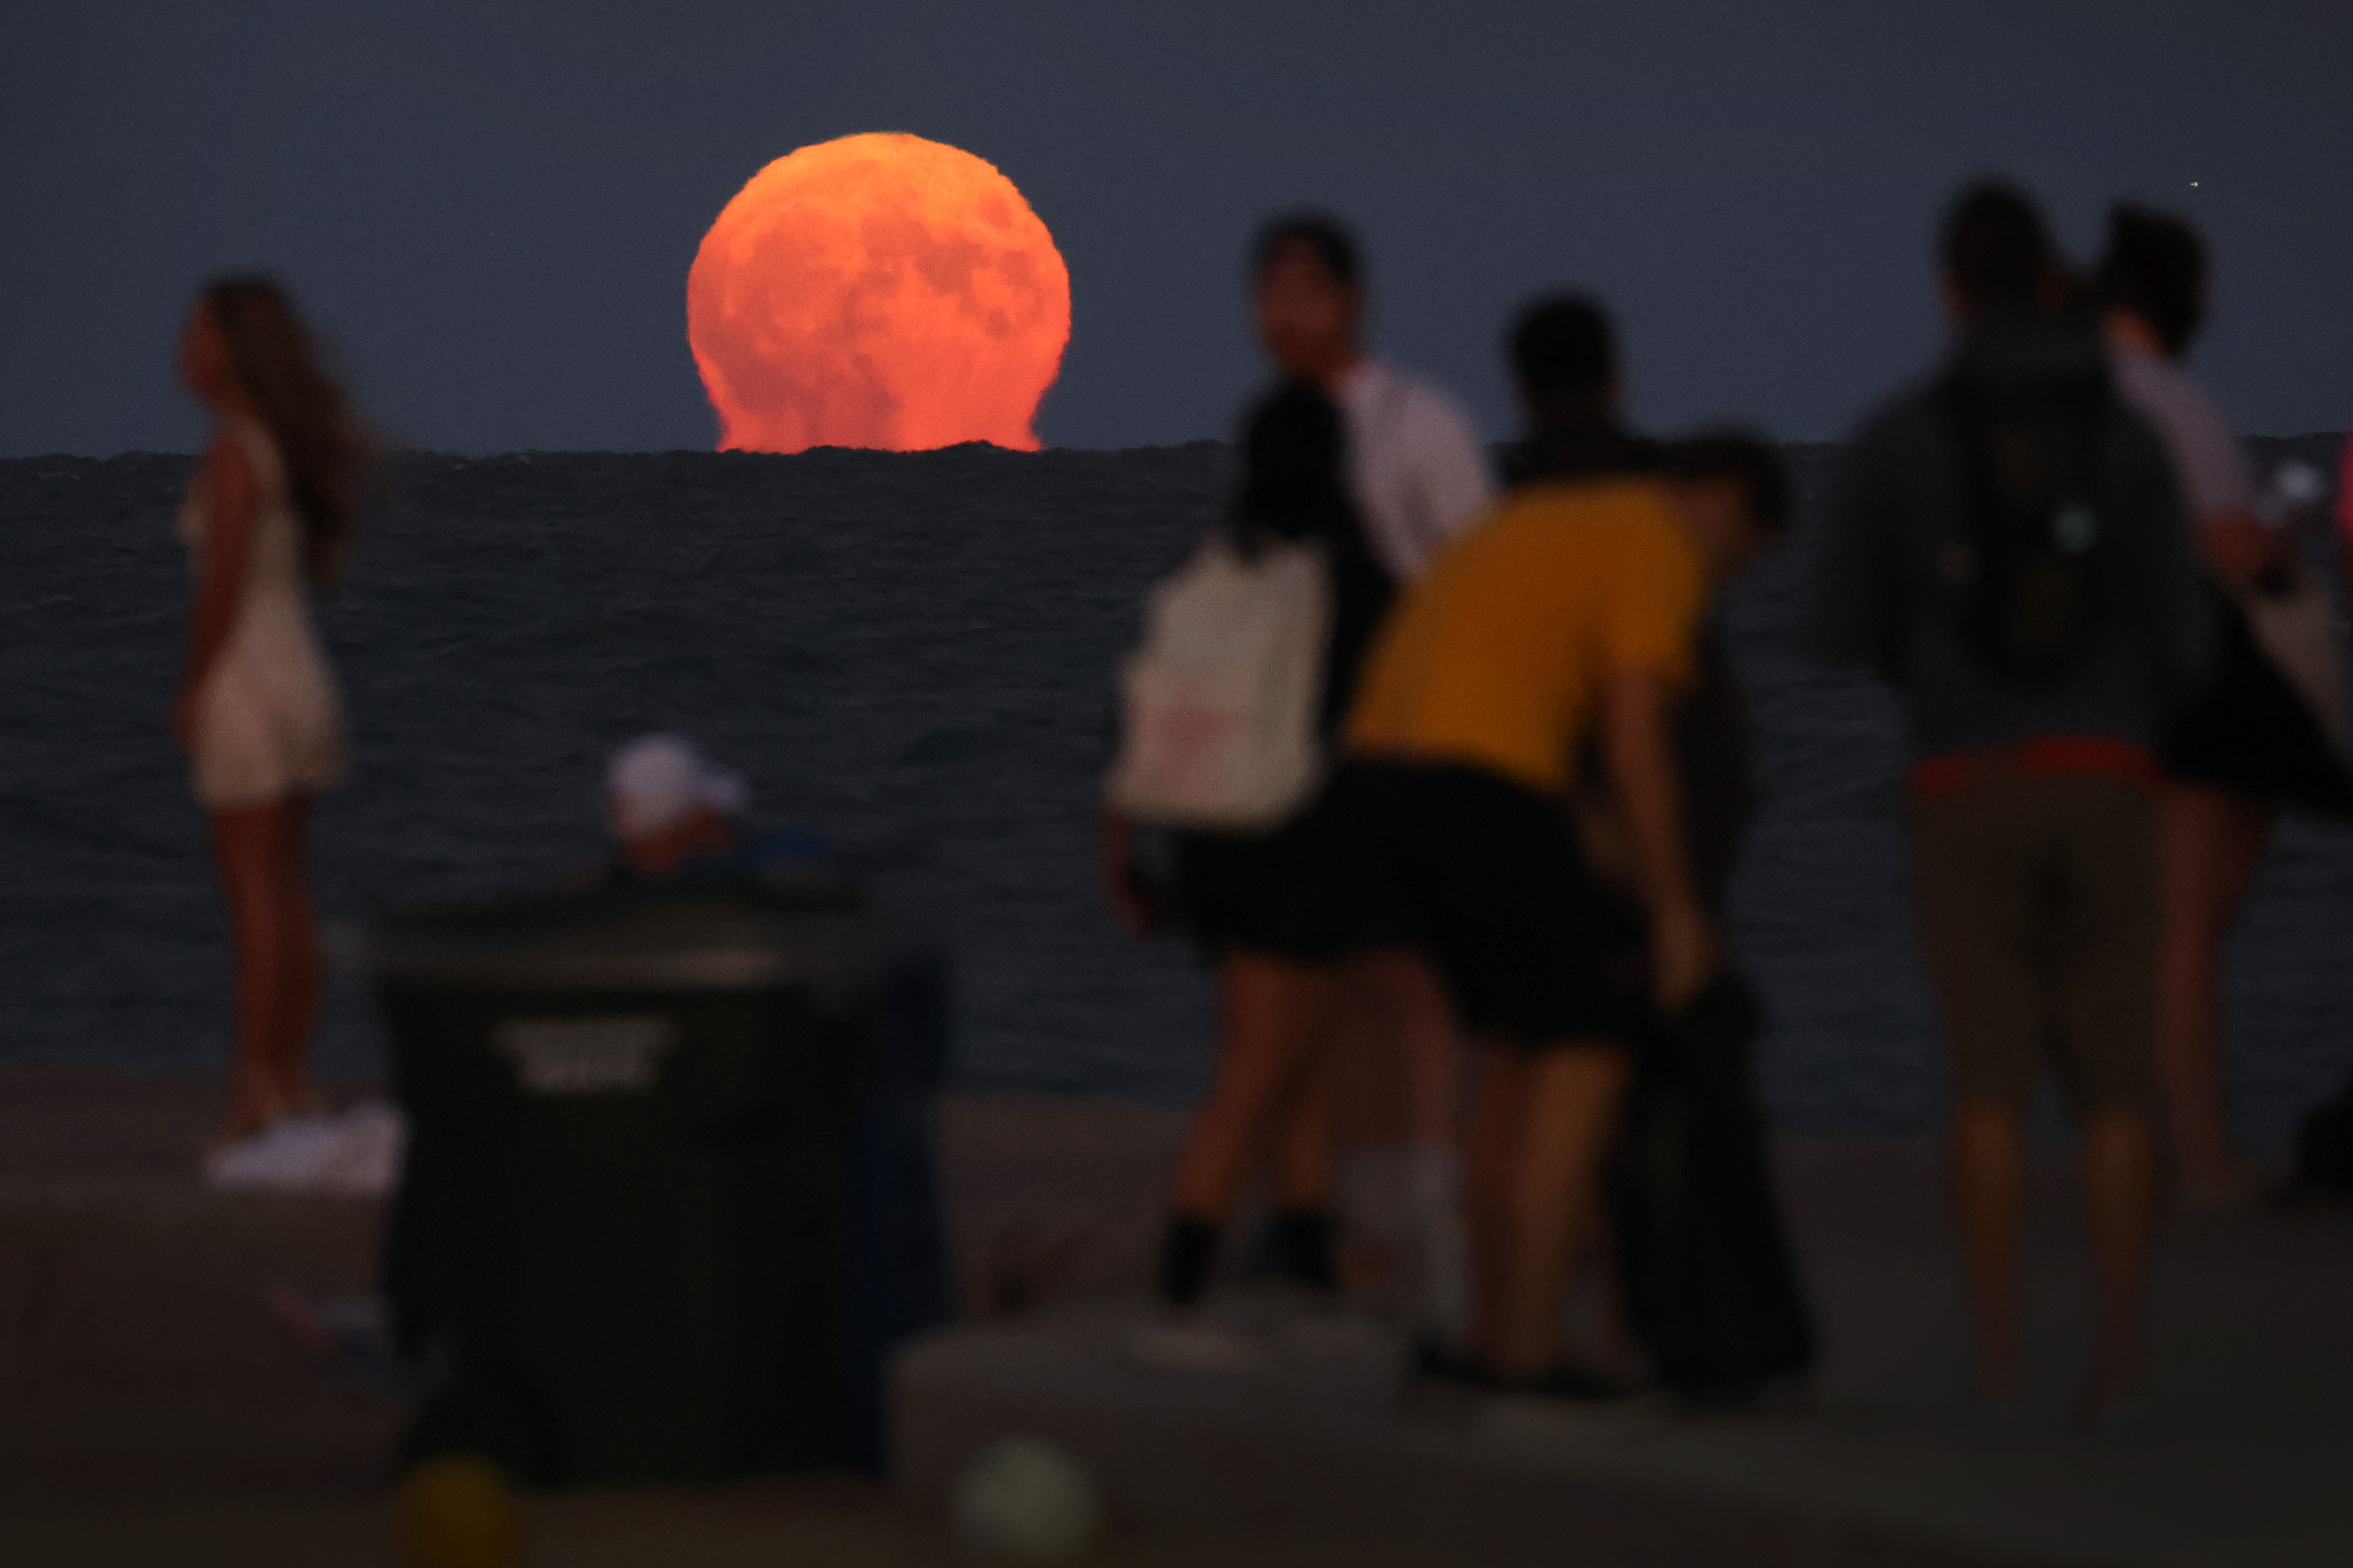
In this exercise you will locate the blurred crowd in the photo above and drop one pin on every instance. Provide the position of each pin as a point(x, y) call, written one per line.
point(1439, 758)
point(1463, 894)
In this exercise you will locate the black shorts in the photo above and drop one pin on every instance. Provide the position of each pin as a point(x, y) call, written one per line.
point(2250, 731)
point(1486, 878)
point(1284, 894)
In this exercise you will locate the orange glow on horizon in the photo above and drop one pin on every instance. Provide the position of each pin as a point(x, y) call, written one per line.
point(877, 290)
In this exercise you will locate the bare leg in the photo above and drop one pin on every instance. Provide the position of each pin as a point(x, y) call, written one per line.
point(1400, 1053)
point(1431, 1044)
point(2212, 845)
point(1273, 1016)
point(1394, 1010)
point(1490, 1156)
point(245, 856)
point(303, 971)
point(2120, 1199)
point(1988, 1192)
point(1300, 1132)
point(1572, 1092)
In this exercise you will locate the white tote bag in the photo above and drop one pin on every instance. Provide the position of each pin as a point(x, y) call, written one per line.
point(1219, 703)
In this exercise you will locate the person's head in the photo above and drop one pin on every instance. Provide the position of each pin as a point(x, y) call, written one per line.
point(1294, 452)
point(2155, 271)
point(246, 351)
point(1995, 253)
point(1563, 355)
point(1732, 490)
point(669, 804)
point(1307, 295)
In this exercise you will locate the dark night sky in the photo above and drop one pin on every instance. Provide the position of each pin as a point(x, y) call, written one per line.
point(491, 210)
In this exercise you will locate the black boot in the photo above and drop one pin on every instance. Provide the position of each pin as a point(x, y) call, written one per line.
point(1303, 1243)
point(1187, 1249)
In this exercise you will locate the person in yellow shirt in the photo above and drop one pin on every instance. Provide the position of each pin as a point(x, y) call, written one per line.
point(1570, 615)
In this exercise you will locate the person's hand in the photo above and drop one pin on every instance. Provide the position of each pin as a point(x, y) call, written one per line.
point(2241, 549)
point(1685, 956)
point(1116, 862)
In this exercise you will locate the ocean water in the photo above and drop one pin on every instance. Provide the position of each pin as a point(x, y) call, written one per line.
point(901, 646)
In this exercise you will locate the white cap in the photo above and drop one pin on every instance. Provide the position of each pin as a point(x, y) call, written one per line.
point(656, 781)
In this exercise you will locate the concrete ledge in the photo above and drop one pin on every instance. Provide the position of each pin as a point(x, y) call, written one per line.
point(1323, 1440)
point(137, 1362)
point(2238, 1458)
point(1318, 1443)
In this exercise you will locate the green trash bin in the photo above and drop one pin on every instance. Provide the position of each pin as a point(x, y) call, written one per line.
point(629, 1111)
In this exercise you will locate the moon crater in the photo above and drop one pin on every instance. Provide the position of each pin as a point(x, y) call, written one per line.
point(877, 290)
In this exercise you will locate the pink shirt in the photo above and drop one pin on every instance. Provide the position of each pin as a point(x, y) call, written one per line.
point(2345, 491)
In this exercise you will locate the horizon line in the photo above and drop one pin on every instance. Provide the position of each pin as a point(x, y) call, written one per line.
point(961, 447)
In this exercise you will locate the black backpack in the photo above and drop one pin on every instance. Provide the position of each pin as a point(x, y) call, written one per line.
point(1710, 1283)
point(2031, 472)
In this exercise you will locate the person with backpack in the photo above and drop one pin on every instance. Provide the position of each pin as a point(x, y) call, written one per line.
point(1373, 470)
point(2007, 545)
point(1571, 613)
point(2251, 744)
point(1273, 618)
point(1415, 467)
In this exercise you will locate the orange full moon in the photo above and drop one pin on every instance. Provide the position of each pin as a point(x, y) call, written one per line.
point(877, 290)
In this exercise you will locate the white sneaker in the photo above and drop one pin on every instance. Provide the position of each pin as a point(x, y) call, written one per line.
point(357, 1155)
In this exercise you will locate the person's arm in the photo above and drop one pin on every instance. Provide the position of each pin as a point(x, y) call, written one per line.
point(231, 495)
point(1117, 863)
point(2217, 488)
point(2238, 547)
point(2345, 517)
point(1638, 751)
point(1654, 590)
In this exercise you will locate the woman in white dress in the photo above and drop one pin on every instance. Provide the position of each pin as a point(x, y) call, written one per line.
point(269, 516)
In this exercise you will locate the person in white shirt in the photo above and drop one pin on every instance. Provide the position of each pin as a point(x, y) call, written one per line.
point(2243, 749)
point(1415, 463)
point(1417, 467)
point(1416, 475)
point(1420, 476)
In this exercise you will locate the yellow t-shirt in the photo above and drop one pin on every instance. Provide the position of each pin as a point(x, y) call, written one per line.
point(1496, 657)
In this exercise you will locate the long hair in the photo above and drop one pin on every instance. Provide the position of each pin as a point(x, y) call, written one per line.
point(1294, 452)
point(2156, 267)
point(329, 454)
point(1295, 487)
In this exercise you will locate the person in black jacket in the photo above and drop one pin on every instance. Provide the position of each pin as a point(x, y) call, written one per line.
point(2038, 686)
